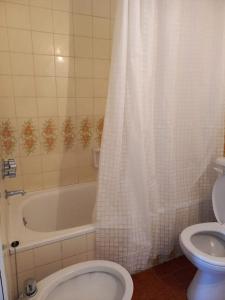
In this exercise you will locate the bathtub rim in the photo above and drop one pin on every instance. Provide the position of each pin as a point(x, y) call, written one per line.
point(30, 239)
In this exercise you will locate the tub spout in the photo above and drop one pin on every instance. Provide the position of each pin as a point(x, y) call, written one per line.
point(14, 193)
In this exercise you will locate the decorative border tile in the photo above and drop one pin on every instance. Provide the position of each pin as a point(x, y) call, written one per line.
point(68, 132)
point(85, 132)
point(29, 137)
point(7, 137)
point(49, 135)
point(99, 130)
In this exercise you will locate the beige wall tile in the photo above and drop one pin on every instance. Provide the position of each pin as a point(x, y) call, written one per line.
point(20, 40)
point(45, 86)
point(85, 106)
point(44, 65)
point(51, 162)
point(25, 261)
point(66, 107)
point(84, 159)
point(43, 43)
point(13, 183)
point(86, 174)
point(101, 48)
point(64, 66)
point(47, 254)
point(41, 3)
point(68, 160)
point(17, 16)
point(83, 6)
point(23, 86)
point(91, 241)
point(83, 47)
point(101, 68)
point(23, 2)
point(101, 28)
point(74, 260)
point(69, 176)
point(101, 8)
point(51, 179)
point(64, 45)
point(6, 88)
point(22, 64)
point(31, 164)
point(2, 14)
point(75, 246)
point(41, 19)
point(113, 6)
point(5, 68)
point(26, 107)
point(65, 87)
point(44, 271)
point(63, 22)
point(100, 88)
point(65, 5)
point(83, 25)
point(32, 182)
point(99, 106)
point(84, 87)
point(7, 107)
point(47, 107)
point(4, 46)
point(84, 67)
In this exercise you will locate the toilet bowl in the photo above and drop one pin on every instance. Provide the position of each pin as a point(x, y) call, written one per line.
point(204, 245)
point(91, 280)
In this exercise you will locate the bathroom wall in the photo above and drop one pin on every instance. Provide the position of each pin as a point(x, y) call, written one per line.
point(40, 262)
point(54, 65)
point(4, 240)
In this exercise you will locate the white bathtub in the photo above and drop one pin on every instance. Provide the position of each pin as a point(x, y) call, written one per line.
point(49, 216)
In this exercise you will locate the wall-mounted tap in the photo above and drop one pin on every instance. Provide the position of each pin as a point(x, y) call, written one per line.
point(9, 168)
point(14, 193)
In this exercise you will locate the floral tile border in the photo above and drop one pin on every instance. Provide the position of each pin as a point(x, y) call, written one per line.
point(51, 134)
point(68, 133)
point(29, 137)
point(7, 138)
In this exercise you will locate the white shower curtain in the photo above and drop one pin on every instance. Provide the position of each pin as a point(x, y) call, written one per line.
point(163, 127)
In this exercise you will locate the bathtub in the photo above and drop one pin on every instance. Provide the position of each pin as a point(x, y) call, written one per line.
point(46, 217)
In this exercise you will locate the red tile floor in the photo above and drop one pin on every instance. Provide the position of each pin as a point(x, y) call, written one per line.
point(168, 281)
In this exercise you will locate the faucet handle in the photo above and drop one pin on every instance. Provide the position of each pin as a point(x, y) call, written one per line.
point(9, 168)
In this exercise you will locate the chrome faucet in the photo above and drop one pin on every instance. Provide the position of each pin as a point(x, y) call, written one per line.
point(14, 193)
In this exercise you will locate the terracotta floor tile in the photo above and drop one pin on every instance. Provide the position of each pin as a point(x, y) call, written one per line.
point(168, 281)
point(167, 268)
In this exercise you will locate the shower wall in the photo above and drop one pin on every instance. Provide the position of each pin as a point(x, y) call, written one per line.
point(54, 65)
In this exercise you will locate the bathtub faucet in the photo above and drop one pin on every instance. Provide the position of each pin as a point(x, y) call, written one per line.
point(14, 193)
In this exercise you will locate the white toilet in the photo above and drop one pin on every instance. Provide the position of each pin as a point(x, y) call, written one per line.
point(204, 245)
point(91, 280)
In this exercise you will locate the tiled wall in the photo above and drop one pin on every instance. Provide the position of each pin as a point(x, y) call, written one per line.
point(4, 238)
point(43, 261)
point(54, 64)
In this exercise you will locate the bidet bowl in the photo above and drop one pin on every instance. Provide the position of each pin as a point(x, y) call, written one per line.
point(89, 280)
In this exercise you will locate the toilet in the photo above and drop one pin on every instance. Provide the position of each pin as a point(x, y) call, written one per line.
point(91, 280)
point(204, 245)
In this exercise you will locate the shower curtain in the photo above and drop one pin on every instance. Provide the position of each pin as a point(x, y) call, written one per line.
point(163, 127)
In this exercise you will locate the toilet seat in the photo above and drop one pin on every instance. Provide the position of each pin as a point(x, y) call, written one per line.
point(188, 245)
point(87, 278)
